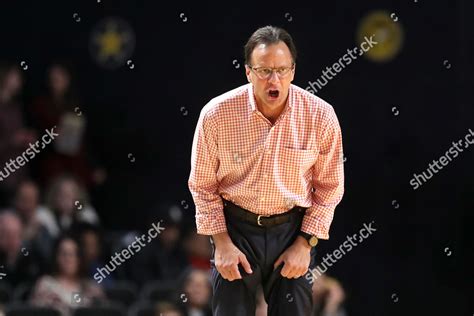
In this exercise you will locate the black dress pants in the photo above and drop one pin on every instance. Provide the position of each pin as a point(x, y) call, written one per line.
point(262, 246)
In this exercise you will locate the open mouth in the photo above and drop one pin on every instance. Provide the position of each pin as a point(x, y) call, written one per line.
point(273, 94)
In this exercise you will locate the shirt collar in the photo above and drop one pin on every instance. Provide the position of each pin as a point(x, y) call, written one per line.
point(253, 103)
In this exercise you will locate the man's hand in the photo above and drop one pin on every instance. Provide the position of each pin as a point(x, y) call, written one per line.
point(227, 258)
point(296, 259)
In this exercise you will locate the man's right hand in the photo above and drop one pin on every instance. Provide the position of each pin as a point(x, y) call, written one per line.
point(227, 257)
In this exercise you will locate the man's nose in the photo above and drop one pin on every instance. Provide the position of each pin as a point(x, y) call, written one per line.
point(274, 77)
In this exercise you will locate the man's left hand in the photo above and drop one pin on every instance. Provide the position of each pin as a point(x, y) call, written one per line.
point(296, 259)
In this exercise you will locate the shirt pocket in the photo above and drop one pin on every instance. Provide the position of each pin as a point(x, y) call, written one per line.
point(293, 167)
point(301, 159)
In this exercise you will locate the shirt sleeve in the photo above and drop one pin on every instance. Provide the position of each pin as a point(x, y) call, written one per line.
point(203, 182)
point(328, 178)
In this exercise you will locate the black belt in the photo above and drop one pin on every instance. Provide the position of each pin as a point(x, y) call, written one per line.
point(261, 220)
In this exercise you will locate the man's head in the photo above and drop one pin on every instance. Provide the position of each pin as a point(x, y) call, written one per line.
point(62, 194)
point(197, 287)
point(11, 232)
point(269, 48)
point(27, 200)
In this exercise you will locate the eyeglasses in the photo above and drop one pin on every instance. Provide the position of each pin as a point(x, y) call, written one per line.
point(266, 72)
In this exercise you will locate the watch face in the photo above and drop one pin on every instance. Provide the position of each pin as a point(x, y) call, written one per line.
point(313, 241)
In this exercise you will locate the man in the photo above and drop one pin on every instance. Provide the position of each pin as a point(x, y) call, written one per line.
point(266, 176)
point(27, 205)
point(19, 264)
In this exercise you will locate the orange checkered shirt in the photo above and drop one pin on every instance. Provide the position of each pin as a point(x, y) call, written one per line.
point(267, 169)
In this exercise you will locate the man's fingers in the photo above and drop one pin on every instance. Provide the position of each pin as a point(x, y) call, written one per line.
point(222, 272)
point(229, 276)
point(235, 273)
point(245, 263)
point(291, 271)
point(300, 272)
point(286, 270)
point(296, 275)
point(230, 272)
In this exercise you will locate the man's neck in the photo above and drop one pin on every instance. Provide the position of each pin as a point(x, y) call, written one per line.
point(271, 114)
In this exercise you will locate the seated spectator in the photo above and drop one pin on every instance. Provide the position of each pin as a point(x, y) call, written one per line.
point(26, 204)
point(167, 309)
point(163, 258)
point(14, 136)
point(197, 289)
point(66, 287)
point(198, 250)
point(66, 205)
point(20, 264)
point(328, 296)
point(69, 153)
point(90, 241)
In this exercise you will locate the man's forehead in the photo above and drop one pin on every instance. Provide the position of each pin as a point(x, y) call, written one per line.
point(273, 53)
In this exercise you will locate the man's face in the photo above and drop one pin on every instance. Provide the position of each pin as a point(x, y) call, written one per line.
point(11, 231)
point(67, 194)
point(273, 91)
point(198, 288)
point(26, 200)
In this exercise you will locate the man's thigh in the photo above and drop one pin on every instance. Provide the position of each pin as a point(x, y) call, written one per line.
point(234, 298)
point(289, 296)
point(237, 297)
point(286, 296)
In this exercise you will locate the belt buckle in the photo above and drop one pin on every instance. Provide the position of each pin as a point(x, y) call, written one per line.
point(259, 218)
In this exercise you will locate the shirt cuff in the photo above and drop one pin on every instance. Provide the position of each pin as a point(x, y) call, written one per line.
point(317, 221)
point(210, 224)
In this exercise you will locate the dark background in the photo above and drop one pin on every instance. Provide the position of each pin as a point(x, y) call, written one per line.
point(186, 64)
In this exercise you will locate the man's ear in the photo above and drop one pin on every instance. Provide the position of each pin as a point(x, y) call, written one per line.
point(293, 73)
point(247, 73)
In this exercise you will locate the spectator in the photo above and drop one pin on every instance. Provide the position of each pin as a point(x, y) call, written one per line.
point(14, 137)
point(20, 264)
point(67, 204)
point(58, 108)
point(198, 250)
point(67, 285)
point(91, 243)
point(164, 258)
point(198, 290)
point(167, 309)
point(26, 204)
point(328, 296)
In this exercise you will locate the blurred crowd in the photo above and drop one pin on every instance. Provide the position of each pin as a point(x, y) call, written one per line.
point(52, 240)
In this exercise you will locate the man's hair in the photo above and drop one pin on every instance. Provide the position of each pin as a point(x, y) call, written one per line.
point(268, 35)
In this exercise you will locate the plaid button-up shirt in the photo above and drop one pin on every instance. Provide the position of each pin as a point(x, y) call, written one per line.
point(266, 168)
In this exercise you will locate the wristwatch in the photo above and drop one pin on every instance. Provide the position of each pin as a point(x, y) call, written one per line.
point(312, 240)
